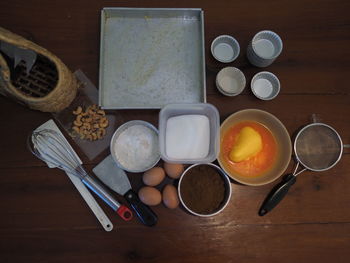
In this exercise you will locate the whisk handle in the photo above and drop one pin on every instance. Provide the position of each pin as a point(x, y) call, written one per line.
point(103, 193)
point(124, 212)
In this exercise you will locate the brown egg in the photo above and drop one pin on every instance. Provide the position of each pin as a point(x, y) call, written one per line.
point(150, 195)
point(153, 176)
point(173, 170)
point(170, 197)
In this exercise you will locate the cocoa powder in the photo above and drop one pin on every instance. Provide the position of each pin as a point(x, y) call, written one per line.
point(203, 189)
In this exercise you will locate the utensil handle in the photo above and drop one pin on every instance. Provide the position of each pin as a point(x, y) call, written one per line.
point(102, 192)
point(277, 194)
point(144, 213)
point(91, 201)
point(124, 212)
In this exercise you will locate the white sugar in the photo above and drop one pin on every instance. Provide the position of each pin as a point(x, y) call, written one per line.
point(187, 137)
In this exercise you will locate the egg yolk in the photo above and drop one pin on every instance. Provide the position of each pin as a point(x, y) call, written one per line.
point(247, 145)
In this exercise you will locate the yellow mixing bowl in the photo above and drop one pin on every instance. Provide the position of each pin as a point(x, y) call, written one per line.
point(281, 135)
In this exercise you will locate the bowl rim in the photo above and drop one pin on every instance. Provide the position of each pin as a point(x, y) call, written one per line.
point(117, 133)
point(283, 168)
point(254, 40)
point(297, 156)
point(227, 183)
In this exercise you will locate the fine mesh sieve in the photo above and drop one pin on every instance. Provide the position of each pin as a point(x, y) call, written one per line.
point(318, 147)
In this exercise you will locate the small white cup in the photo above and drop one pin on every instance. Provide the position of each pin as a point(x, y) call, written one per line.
point(230, 81)
point(265, 85)
point(225, 48)
point(264, 48)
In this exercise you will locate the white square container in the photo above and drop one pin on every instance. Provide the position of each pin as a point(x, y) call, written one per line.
point(208, 110)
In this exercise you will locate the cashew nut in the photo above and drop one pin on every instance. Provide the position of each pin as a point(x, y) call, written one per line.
point(78, 110)
point(87, 125)
point(77, 123)
point(99, 134)
point(101, 112)
point(76, 129)
point(90, 123)
point(104, 122)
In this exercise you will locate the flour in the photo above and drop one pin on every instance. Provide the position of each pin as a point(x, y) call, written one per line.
point(136, 148)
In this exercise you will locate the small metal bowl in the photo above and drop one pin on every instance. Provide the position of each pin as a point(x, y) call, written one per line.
point(228, 190)
point(117, 133)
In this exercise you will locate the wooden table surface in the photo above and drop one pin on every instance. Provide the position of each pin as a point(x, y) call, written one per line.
point(44, 219)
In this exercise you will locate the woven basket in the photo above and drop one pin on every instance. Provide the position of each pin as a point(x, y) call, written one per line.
point(49, 87)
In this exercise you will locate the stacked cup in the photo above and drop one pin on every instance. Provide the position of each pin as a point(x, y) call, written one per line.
point(264, 48)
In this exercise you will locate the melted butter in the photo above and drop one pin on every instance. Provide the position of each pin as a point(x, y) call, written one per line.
point(248, 144)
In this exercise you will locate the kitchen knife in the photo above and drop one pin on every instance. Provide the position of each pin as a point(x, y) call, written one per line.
point(116, 179)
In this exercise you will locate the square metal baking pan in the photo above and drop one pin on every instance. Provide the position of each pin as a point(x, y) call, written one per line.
point(150, 57)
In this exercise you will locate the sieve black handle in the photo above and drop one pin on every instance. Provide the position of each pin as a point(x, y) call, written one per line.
point(277, 194)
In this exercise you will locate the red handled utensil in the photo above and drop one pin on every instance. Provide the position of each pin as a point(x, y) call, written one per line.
point(116, 179)
point(52, 148)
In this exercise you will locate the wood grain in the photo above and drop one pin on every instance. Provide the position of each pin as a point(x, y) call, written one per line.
point(224, 243)
point(44, 219)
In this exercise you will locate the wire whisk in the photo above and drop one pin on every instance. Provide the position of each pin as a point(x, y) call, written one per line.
point(52, 148)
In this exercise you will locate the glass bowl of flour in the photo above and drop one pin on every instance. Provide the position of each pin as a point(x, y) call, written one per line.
point(134, 146)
